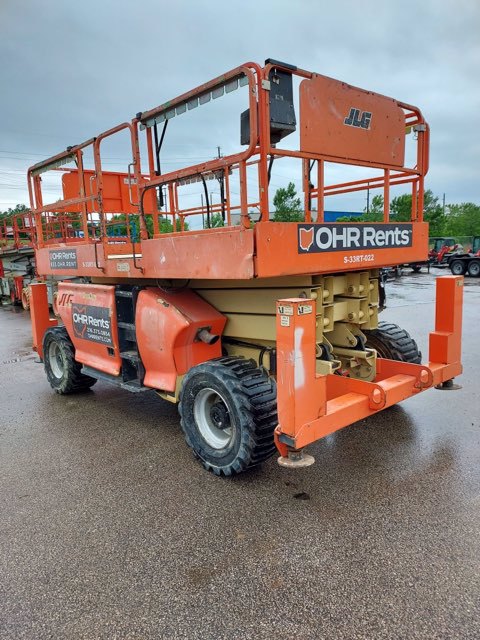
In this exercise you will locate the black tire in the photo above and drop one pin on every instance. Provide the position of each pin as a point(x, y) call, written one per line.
point(228, 413)
point(63, 371)
point(394, 343)
point(474, 268)
point(458, 267)
point(416, 268)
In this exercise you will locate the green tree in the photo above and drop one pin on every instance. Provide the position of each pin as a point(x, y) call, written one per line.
point(118, 226)
point(19, 208)
point(351, 219)
point(287, 205)
point(401, 207)
point(401, 211)
point(463, 219)
point(375, 210)
point(216, 221)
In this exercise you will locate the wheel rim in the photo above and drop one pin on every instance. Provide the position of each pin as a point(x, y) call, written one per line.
point(474, 269)
point(56, 360)
point(213, 418)
point(457, 268)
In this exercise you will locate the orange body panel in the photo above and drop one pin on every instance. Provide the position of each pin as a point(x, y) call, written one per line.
point(222, 254)
point(376, 133)
point(88, 313)
point(228, 253)
point(167, 325)
point(115, 192)
point(39, 315)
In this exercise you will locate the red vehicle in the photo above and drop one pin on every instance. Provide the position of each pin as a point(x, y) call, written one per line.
point(442, 247)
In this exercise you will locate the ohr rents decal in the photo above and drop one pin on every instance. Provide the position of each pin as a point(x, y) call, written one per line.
point(315, 238)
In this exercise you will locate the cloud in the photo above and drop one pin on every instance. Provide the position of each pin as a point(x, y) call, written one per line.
point(72, 70)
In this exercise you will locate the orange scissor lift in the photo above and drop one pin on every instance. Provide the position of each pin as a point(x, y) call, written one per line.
point(265, 332)
point(16, 249)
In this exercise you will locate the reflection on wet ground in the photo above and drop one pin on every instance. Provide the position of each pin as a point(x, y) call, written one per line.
point(419, 288)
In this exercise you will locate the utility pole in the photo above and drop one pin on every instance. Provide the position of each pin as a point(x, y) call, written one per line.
point(368, 198)
point(443, 204)
point(221, 182)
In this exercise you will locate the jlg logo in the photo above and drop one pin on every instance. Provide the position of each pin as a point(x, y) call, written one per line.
point(65, 299)
point(358, 119)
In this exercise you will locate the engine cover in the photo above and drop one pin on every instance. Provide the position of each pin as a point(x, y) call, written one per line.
point(167, 334)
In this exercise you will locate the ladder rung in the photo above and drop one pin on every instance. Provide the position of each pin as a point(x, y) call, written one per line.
point(130, 355)
point(126, 325)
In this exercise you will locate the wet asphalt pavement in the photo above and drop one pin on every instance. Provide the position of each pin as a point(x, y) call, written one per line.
point(110, 529)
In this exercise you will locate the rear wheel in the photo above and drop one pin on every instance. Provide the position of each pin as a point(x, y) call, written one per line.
point(228, 410)
point(26, 298)
point(458, 267)
point(474, 268)
point(63, 371)
point(394, 343)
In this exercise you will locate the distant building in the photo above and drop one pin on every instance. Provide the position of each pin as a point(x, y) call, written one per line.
point(333, 216)
point(329, 216)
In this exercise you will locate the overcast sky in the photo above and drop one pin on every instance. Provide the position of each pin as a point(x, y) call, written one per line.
point(71, 69)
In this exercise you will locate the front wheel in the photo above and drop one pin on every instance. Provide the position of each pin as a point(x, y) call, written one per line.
point(474, 268)
point(63, 371)
point(394, 343)
point(457, 267)
point(228, 411)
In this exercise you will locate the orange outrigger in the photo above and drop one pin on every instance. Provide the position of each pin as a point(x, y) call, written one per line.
point(265, 332)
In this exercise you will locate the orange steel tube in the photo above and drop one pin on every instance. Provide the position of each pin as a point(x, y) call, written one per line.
point(306, 190)
point(386, 196)
point(264, 139)
point(320, 190)
point(244, 196)
point(414, 215)
point(393, 182)
point(81, 184)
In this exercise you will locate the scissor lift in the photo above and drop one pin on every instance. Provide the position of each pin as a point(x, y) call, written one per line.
point(16, 258)
point(265, 332)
